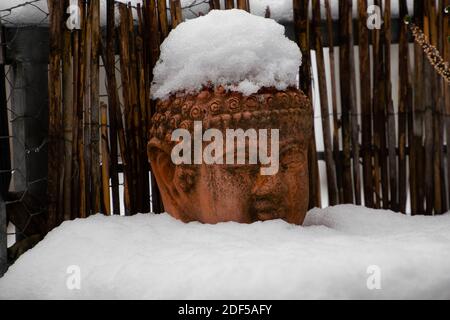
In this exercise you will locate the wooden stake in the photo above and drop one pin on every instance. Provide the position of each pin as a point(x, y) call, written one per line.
point(105, 159)
point(428, 122)
point(87, 173)
point(55, 146)
point(162, 10)
point(344, 62)
point(81, 203)
point(301, 24)
point(229, 4)
point(126, 92)
point(403, 106)
point(143, 125)
point(446, 44)
point(214, 4)
point(379, 134)
point(329, 161)
point(391, 129)
point(115, 121)
point(354, 112)
point(366, 108)
point(243, 4)
point(134, 117)
point(68, 120)
point(336, 148)
point(95, 113)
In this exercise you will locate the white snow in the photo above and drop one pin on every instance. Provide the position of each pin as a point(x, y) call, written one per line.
point(158, 257)
point(233, 48)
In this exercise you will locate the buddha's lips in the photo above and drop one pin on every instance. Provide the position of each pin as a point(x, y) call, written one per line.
point(265, 209)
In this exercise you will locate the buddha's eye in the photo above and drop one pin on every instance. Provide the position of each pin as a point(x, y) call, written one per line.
point(290, 163)
point(293, 158)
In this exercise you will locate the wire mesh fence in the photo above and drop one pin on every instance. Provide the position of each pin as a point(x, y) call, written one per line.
point(24, 123)
point(23, 117)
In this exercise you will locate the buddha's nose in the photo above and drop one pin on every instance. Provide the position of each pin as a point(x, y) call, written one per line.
point(266, 185)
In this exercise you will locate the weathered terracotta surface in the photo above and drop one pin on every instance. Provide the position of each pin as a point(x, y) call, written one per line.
point(216, 193)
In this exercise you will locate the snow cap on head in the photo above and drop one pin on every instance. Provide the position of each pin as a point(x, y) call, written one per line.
point(231, 48)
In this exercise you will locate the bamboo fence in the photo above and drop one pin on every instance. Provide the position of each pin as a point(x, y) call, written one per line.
point(375, 154)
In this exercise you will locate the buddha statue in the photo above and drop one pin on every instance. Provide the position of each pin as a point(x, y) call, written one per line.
point(230, 133)
point(219, 192)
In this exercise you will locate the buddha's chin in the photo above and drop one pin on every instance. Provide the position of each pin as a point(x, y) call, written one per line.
point(267, 215)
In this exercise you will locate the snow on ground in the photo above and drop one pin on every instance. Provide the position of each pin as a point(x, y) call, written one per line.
point(233, 48)
point(158, 257)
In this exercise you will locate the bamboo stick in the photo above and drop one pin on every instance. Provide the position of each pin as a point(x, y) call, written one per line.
point(178, 11)
point(68, 116)
point(115, 117)
point(329, 161)
point(354, 112)
point(214, 4)
point(301, 24)
point(81, 203)
point(87, 113)
point(143, 125)
point(403, 106)
point(105, 159)
point(380, 156)
point(154, 43)
point(428, 123)
point(126, 92)
point(175, 13)
point(162, 10)
point(446, 44)
point(55, 147)
point(229, 4)
point(344, 62)
point(391, 127)
point(366, 112)
point(441, 106)
point(75, 89)
point(113, 105)
point(336, 149)
point(95, 112)
point(243, 5)
point(419, 108)
point(437, 122)
point(135, 117)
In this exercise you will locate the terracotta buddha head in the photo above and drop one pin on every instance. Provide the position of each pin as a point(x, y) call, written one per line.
point(218, 191)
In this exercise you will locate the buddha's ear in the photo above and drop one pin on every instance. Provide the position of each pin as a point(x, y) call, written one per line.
point(172, 179)
point(163, 169)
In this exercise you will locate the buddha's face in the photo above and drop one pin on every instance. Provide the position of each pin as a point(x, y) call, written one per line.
point(213, 193)
point(232, 192)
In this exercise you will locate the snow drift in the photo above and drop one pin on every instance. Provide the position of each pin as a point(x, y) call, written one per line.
point(158, 257)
